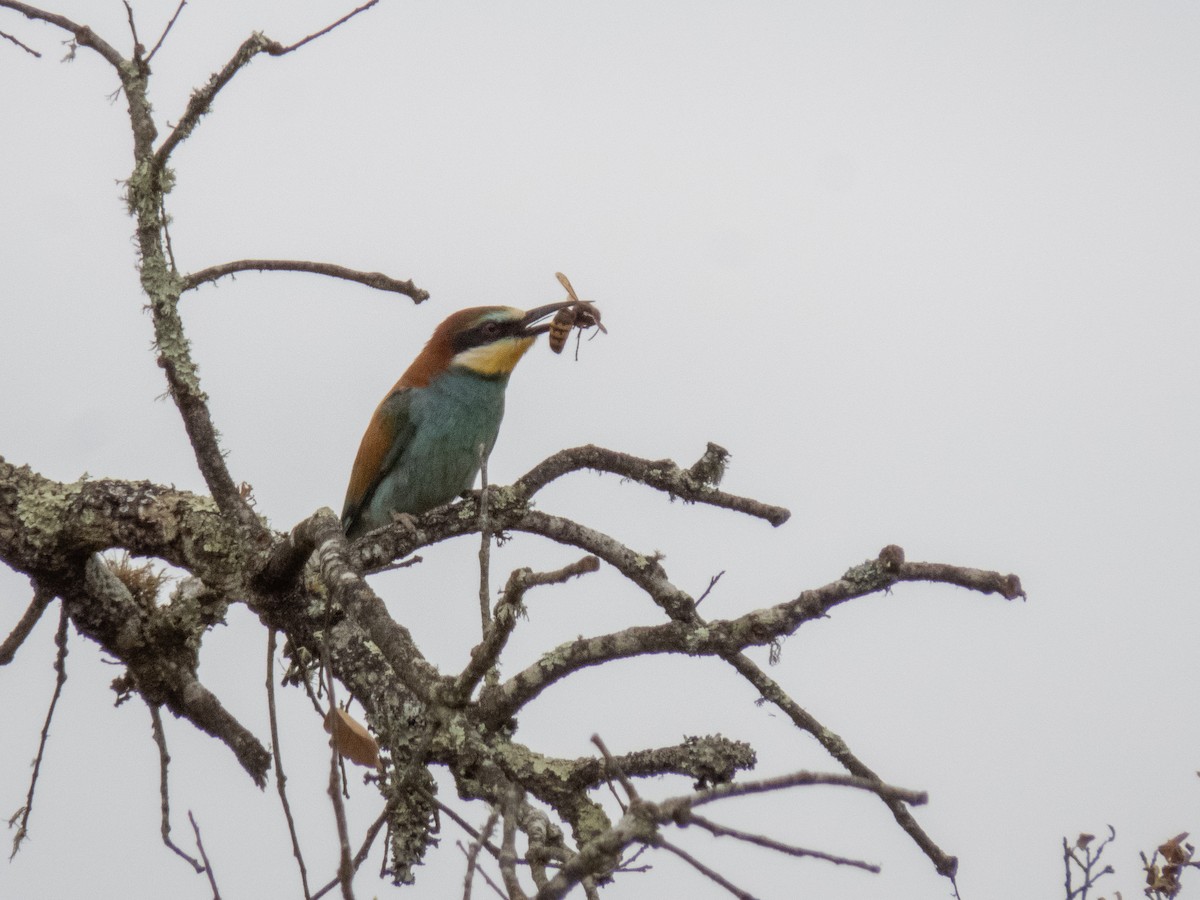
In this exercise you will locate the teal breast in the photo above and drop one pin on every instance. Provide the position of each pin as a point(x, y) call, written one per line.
point(448, 420)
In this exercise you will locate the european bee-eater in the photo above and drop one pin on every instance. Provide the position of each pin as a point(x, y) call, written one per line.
point(422, 448)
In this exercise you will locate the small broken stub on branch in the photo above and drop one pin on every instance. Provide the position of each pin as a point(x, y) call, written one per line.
point(581, 314)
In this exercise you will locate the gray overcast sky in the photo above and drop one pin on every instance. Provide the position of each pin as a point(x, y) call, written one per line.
point(929, 270)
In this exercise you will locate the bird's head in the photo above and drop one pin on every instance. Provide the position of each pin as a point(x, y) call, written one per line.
point(487, 340)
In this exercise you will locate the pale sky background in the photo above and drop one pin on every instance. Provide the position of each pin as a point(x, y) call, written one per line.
point(929, 270)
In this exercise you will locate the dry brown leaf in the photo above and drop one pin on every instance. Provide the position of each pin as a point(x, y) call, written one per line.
point(351, 739)
point(1174, 851)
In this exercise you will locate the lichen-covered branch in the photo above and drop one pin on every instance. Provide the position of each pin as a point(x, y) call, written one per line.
point(508, 509)
point(697, 484)
point(350, 593)
point(161, 660)
point(49, 527)
point(726, 637)
point(420, 715)
point(488, 651)
point(202, 98)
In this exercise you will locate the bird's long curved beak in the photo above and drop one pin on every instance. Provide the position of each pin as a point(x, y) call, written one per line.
point(530, 322)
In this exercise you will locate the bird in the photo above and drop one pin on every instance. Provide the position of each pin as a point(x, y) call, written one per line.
point(422, 446)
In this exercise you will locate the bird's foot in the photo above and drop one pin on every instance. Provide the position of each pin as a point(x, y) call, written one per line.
point(407, 520)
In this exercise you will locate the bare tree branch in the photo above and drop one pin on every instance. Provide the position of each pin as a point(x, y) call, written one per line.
point(164, 764)
point(328, 28)
point(26, 48)
point(476, 846)
point(202, 99)
point(84, 36)
point(771, 844)
point(345, 867)
point(697, 637)
point(642, 821)
point(795, 779)
point(102, 608)
point(60, 672)
point(376, 280)
point(695, 485)
point(351, 593)
point(364, 851)
point(704, 870)
point(612, 767)
point(944, 863)
point(487, 652)
point(33, 613)
point(208, 869)
point(162, 37)
point(138, 49)
point(508, 850)
point(280, 778)
point(724, 638)
point(485, 556)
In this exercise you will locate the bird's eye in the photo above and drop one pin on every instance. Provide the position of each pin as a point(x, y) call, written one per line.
point(491, 329)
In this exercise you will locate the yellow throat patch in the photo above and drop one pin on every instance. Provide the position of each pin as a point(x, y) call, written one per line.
point(497, 358)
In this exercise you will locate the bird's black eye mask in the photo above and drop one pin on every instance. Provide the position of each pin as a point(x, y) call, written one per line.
point(486, 333)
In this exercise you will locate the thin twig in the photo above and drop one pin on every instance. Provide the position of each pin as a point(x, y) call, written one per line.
point(705, 870)
point(769, 689)
point(712, 583)
point(612, 790)
point(328, 28)
point(164, 763)
point(137, 44)
point(476, 846)
point(345, 867)
point(27, 49)
point(508, 848)
point(162, 37)
point(467, 827)
point(612, 765)
point(484, 875)
point(280, 778)
point(208, 869)
point(643, 820)
point(363, 851)
point(627, 865)
point(1089, 863)
point(718, 830)
point(31, 616)
point(376, 280)
point(485, 547)
point(801, 779)
point(60, 669)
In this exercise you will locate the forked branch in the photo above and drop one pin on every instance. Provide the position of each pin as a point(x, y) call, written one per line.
point(644, 819)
